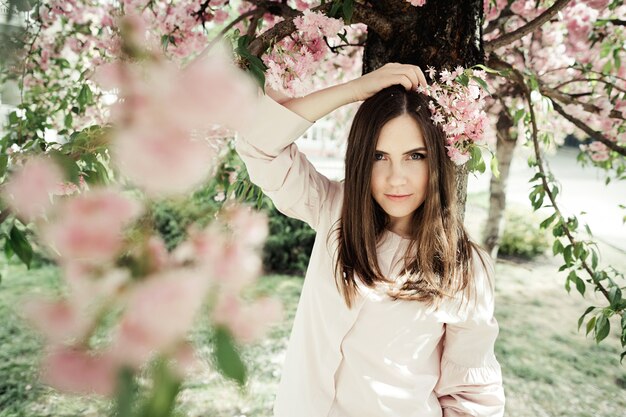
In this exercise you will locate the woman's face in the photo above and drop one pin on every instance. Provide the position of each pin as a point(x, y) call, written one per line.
point(400, 171)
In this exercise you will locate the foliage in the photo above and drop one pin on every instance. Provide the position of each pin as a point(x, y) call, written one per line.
point(521, 238)
point(288, 247)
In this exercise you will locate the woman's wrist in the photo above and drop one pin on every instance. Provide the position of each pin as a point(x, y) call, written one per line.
point(319, 103)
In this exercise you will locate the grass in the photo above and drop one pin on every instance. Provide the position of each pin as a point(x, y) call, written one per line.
point(549, 368)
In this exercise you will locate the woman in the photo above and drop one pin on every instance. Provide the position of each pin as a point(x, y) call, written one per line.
point(396, 312)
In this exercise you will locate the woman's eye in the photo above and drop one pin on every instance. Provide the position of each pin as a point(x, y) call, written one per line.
point(379, 156)
point(417, 156)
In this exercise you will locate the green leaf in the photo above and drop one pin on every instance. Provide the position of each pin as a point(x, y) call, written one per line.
point(476, 162)
point(557, 247)
point(85, 97)
point(582, 318)
point(348, 10)
point(69, 120)
point(8, 249)
point(463, 79)
point(69, 166)
point(21, 246)
point(602, 328)
point(342, 36)
point(594, 259)
point(228, 360)
point(590, 325)
point(4, 160)
point(126, 393)
point(166, 386)
point(487, 69)
point(615, 297)
point(493, 165)
point(567, 255)
point(547, 222)
point(481, 82)
point(580, 285)
point(335, 8)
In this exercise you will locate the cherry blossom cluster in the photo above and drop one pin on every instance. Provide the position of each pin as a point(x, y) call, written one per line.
point(457, 106)
point(112, 262)
point(294, 59)
point(569, 55)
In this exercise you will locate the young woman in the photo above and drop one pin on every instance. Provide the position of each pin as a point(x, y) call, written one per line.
point(396, 312)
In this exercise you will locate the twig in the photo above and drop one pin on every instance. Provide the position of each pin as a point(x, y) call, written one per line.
point(570, 99)
point(592, 133)
point(511, 37)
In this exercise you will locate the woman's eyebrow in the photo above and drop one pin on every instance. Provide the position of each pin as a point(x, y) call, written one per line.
point(420, 149)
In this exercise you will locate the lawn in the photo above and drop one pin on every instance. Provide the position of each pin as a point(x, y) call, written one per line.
point(550, 369)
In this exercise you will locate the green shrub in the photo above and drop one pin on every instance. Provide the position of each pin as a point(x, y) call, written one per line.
point(288, 247)
point(522, 236)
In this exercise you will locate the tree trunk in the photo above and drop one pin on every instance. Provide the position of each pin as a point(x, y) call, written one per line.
point(441, 34)
point(497, 197)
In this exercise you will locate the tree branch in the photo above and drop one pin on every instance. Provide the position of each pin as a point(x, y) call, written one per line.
point(592, 133)
point(511, 37)
point(569, 99)
point(616, 22)
point(362, 14)
point(551, 195)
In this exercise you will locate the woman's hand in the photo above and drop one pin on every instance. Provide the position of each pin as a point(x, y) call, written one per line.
point(410, 76)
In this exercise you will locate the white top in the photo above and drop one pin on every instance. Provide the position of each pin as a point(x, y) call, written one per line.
point(381, 357)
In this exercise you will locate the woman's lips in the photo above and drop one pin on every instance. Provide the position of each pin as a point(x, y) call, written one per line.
point(397, 197)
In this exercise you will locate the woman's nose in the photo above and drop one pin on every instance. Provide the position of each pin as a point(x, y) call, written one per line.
point(397, 175)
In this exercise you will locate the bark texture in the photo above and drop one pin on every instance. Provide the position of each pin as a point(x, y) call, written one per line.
point(441, 34)
point(505, 148)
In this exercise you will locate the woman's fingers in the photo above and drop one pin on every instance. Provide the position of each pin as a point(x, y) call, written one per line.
point(412, 72)
point(421, 76)
point(405, 80)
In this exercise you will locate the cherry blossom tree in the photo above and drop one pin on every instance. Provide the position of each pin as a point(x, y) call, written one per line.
point(123, 103)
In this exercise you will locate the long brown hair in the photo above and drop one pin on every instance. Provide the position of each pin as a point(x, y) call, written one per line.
point(438, 260)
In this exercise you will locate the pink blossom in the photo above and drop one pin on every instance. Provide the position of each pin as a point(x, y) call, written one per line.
point(79, 372)
point(28, 190)
point(57, 320)
point(249, 226)
point(458, 157)
point(598, 4)
point(89, 228)
point(491, 10)
point(160, 312)
point(417, 3)
point(246, 322)
point(312, 24)
point(185, 360)
point(600, 156)
point(89, 288)
point(162, 160)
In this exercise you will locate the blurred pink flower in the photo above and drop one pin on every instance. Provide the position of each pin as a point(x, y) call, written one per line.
point(79, 372)
point(249, 226)
point(162, 160)
point(28, 190)
point(159, 314)
point(89, 228)
point(247, 322)
point(57, 320)
point(89, 288)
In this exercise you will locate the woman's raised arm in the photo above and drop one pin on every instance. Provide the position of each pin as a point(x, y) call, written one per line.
point(318, 104)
